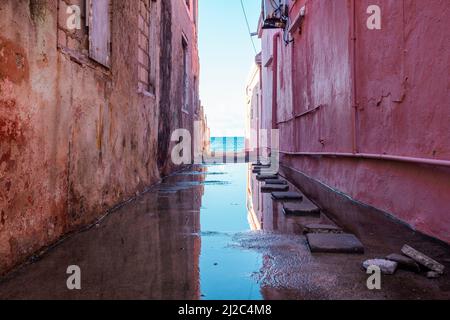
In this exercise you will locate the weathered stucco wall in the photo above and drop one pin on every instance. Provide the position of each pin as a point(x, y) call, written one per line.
point(179, 24)
point(77, 138)
point(386, 93)
point(253, 106)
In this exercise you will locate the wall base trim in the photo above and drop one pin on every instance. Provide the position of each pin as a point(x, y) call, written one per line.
point(353, 215)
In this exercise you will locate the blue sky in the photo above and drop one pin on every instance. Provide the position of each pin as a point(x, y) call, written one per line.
point(226, 59)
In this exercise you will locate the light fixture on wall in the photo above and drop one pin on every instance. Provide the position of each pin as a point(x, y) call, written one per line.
point(275, 14)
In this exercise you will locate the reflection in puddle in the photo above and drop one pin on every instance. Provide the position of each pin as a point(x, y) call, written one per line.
point(226, 271)
point(207, 234)
point(249, 248)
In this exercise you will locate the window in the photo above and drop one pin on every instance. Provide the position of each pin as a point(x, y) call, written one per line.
point(100, 31)
point(196, 98)
point(185, 106)
point(147, 55)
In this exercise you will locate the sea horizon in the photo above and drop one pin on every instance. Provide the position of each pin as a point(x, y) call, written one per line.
point(227, 144)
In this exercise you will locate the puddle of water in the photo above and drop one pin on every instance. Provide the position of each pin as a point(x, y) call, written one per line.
point(206, 234)
point(227, 272)
point(224, 206)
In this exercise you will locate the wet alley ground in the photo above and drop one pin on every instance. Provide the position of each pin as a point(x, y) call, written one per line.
point(208, 233)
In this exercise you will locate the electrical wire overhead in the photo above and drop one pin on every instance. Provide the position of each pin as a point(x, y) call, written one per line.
point(248, 26)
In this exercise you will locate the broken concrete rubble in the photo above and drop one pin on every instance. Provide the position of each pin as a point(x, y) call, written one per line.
point(433, 275)
point(386, 266)
point(404, 262)
point(422, 259)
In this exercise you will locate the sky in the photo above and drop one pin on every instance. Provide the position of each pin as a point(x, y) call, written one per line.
point(226, 59)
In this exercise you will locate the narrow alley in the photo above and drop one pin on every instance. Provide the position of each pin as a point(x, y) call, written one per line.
point(199, 235)
point(224, 150)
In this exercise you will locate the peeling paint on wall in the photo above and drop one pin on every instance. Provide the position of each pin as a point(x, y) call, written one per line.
point(13, 62)
point(76, 137)
point(38, 10)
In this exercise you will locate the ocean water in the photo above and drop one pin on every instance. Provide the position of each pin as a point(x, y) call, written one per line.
point(227, 144)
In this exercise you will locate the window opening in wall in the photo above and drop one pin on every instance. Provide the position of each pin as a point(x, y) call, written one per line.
point(185, 107)
point(147, 48)
point(100, 31)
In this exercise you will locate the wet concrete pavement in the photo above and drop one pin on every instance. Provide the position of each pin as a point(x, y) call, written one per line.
point(209, 233)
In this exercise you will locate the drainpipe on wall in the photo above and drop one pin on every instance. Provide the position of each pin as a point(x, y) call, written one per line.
point(259, 114)
point(372, 156)
point(276, 38)
point(356, 154)
point(355, 147)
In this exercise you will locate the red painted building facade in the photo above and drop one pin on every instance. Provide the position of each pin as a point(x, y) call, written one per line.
point(90, 92)
point(363, 113)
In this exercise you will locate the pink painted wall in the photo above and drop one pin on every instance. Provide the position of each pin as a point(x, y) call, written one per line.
point(398, 77)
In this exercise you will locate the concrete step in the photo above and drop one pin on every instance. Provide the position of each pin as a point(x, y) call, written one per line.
point(322, 228)
point(266, 188)
point(260, 166)
point(276, 181)
point(287, 196)
point(334, 243)
point(264, 171)
point(303, 208)
point(262, 177)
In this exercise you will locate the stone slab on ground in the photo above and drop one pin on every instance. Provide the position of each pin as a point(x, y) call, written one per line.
point(259, 166)
point(264, 172)
point(422, 259)
point(303, 208)
point(322, 228)
point(262, 177)
point(404, 262)
point(386, 266)
point(287, 196)
point(274, 187)
point(334, 243)
point(261, 162)
point(433, 275)
point(276, 181)
point(262, 168)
